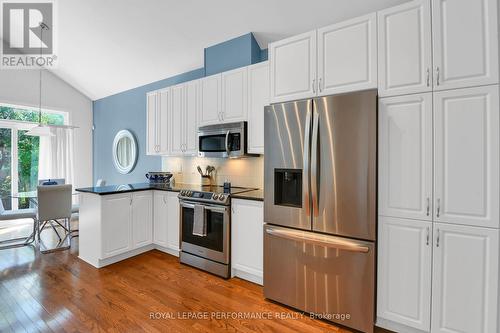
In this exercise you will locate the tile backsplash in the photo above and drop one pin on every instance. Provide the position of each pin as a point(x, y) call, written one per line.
point(246, 172)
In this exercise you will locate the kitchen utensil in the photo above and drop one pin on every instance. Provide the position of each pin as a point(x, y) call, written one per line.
point(199, 170)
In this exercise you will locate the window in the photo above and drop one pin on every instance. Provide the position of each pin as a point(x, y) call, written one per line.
point(19, 152)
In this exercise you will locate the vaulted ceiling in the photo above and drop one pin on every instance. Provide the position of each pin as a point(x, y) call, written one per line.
point(108, 46)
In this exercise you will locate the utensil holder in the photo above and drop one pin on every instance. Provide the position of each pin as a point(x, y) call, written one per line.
point(206, 180)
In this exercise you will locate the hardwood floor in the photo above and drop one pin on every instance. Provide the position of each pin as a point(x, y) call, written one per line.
point(59, 292)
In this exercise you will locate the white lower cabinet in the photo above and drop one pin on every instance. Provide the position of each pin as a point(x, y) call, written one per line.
point(117, 227)
point(404, 272)
point(247, 221)
point(166, 221)
point(465, 279)
point(126, 222)
point(142, 219)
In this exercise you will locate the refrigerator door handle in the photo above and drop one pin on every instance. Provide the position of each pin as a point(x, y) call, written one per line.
point(305, 176)
point(317, 239)
point(314, 164)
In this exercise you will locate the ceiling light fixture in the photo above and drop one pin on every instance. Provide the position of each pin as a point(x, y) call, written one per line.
point(43, 129)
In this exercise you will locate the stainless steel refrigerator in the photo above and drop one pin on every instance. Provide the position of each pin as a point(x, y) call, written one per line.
point(320, 206)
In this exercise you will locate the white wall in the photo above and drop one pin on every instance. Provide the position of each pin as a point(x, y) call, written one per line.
point(20, 87)
point(246, 172)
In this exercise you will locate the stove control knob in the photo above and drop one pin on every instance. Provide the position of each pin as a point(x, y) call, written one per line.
point(190, 193)
point(215, 196)
point(222, 197)
point(183, 192)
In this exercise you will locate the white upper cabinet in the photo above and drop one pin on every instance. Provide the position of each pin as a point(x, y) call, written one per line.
point(404, 272)
point(404, 49)
point(258, 98)
point(211, 100)
point(142, 219)
point(405, 156)
point(191, 107)
point(465, 43)
point(157, 113)
point(467, 156)
point(177, 128)
point(347, 56)
point(151, 121)
point(465, 279)
point(293, 67)
point(163, 123)
point(234, 95)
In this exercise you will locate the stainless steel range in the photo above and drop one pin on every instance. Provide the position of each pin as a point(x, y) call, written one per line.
point(205, 222)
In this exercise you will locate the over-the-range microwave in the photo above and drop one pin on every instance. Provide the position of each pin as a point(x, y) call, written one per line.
point(223, 140)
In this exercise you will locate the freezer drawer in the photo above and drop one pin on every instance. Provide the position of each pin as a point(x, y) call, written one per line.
point(333, 277)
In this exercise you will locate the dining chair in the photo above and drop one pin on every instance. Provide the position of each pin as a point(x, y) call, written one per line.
point(54, 206)
point(17, 214)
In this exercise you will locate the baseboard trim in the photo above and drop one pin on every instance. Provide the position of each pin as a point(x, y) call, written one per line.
point(249, 274)
point(396, 327)
point(123, 256)
point(167, 250)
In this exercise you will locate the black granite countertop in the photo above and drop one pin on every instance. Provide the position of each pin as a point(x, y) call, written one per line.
point(256, 195)
point(124, 188)
point(251, 194)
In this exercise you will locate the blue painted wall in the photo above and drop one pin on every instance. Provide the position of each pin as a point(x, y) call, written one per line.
point(127, 110)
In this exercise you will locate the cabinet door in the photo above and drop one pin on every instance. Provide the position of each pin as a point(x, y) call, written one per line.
point(234, 95)
point(210, 100)
point(405, 156)
point(465, 279)
point(173, 220)
point(142, 219)
point(465, 43)
point(347, 56)
point(404, 272)
point(247, 221)
point(404, 49)
point(117, 226)
point(177, 124)
point(151, 124)
point(466, 135)
point(163, 127)
point(192, 106)
point(160, 218)
point(258, 97)
point(293, 68)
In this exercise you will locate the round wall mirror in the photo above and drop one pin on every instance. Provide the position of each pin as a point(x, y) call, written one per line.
point(124, 151)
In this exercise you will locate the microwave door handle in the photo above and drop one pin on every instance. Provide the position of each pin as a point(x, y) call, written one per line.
point(320, 240)
point(227, 143)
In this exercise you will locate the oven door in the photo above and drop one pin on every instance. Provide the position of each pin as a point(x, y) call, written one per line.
point(229, 143)
point(213, 246)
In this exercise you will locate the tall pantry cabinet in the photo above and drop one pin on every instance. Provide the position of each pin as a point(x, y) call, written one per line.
point(439, 147)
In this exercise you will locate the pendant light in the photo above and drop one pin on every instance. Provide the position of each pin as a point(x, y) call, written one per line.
point(43, 129)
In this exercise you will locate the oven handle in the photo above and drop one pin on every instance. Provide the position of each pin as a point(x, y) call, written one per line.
point(220, 209)
point(227, 143)
point(321, 240)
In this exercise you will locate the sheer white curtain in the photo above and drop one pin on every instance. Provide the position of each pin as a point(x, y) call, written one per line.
point(56, 155)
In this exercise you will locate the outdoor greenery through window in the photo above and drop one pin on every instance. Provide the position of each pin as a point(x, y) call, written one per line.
point(19, 152)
